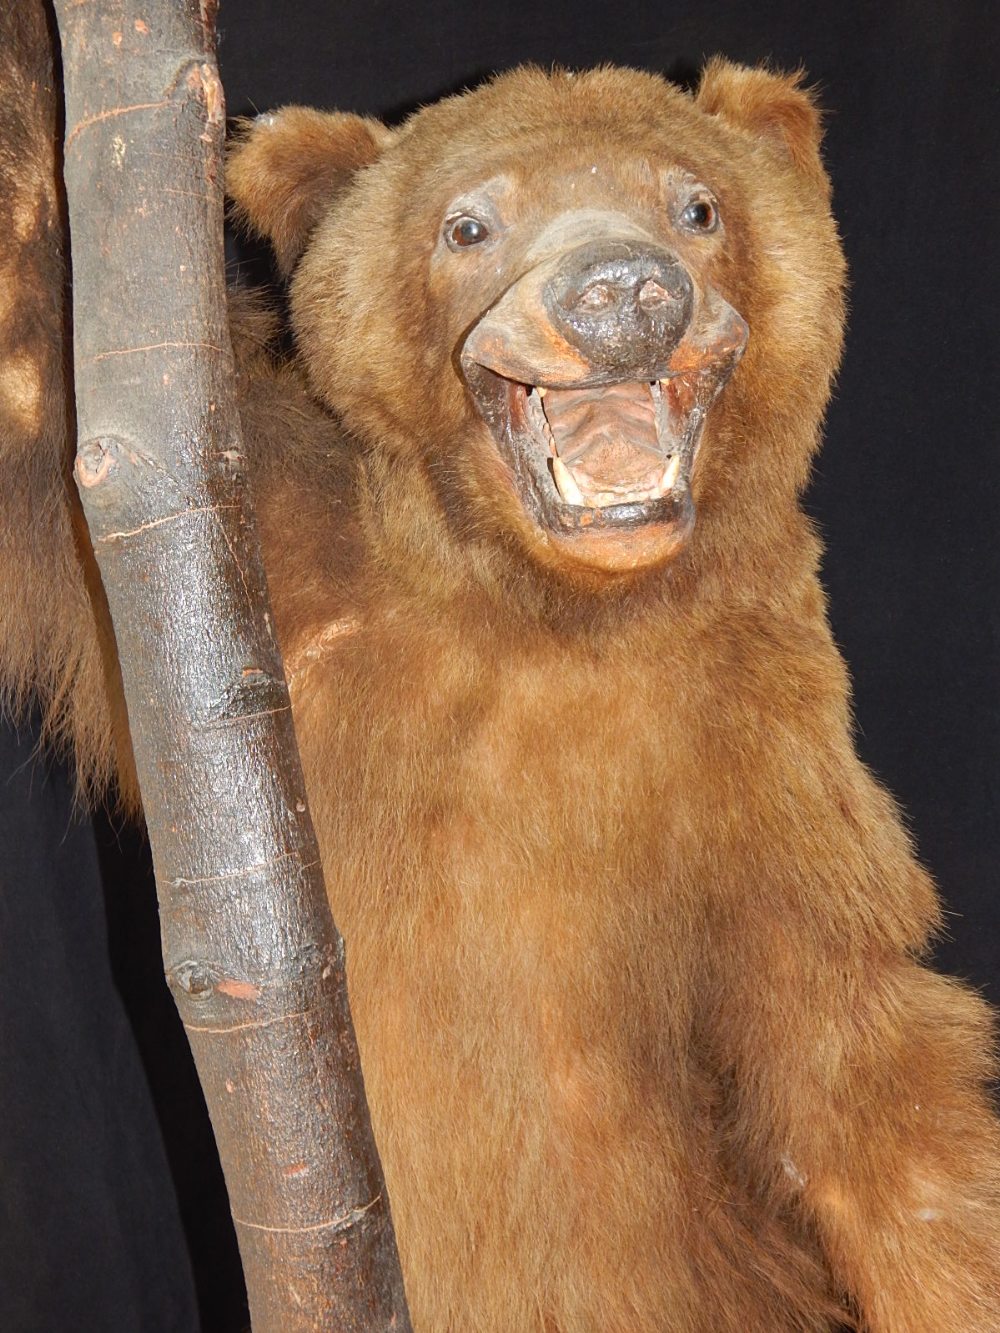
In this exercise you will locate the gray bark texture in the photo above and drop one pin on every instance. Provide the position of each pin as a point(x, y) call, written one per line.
point(252, 956)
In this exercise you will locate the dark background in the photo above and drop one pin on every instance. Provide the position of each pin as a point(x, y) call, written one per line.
point(108, 1180)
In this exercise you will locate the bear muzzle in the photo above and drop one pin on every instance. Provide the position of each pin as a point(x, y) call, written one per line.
point(595, 372)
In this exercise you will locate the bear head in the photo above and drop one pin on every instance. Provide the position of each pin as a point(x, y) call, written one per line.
point(579, 310)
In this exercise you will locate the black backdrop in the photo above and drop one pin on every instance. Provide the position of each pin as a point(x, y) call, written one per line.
point(107, 1174)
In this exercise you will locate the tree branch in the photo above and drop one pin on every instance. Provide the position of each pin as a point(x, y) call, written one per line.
point(253, 959)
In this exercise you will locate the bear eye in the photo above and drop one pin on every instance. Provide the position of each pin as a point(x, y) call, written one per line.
point(700, 215)
point(465, 231)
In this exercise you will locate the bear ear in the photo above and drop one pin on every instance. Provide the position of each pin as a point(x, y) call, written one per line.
point(769, 106)
point(284, 169)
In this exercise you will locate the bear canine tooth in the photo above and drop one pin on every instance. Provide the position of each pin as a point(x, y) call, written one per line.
point(670, 473)
point(565, 484)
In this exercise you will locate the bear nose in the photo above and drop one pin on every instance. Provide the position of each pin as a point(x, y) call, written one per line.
point(624, 304)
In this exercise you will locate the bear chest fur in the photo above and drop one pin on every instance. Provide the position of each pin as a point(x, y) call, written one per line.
point(524, 933)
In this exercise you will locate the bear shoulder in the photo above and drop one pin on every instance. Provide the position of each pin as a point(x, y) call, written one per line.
point(305, 475)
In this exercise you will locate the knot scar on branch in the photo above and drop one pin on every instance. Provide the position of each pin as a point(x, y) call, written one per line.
point(94, 460)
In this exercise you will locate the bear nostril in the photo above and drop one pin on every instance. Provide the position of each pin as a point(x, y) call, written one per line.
point(598, 297)
point(653, 297)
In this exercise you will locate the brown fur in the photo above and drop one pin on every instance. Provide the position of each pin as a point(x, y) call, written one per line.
point(633, 937)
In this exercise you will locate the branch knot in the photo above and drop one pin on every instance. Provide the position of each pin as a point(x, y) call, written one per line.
point(94, 460)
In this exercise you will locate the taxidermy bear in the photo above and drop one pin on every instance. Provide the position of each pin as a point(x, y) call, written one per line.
point(633, 937)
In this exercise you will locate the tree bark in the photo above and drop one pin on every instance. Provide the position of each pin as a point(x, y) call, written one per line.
point(252, 956)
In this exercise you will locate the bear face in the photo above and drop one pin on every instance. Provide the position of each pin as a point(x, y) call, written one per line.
point(535, 301)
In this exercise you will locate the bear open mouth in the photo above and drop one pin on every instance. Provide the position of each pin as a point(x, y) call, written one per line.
point(623, 450)
point(596, 457)
point(607, 445)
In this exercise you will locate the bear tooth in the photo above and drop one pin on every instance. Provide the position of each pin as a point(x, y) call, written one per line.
point(565, 484)
point(541, 390)
point(537, 417)
point(669, 475)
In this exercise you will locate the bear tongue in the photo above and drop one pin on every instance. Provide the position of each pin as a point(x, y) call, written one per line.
point(607, 436)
